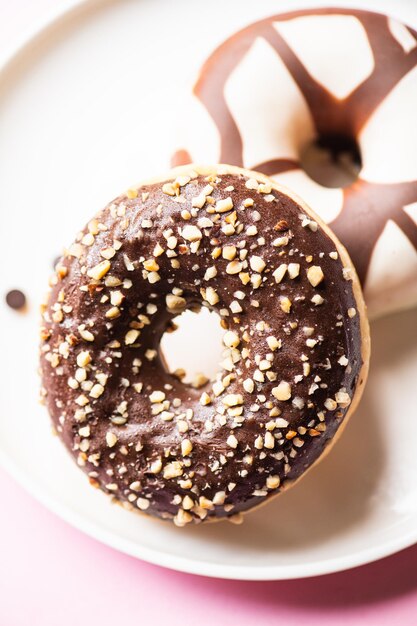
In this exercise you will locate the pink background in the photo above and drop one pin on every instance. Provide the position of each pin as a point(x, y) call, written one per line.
point(51, 574)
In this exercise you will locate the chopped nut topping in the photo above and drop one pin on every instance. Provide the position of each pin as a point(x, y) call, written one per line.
point(86, 334)
point(280, 242)
point(210, 273)
point(111, 439)
point(210, 295)
point(279, 273)
point(131, 336)
point(248, 385)
point(257, 263)
point(285, 304)
point(98, 271)
point(175, 303)
point(273, 343)
point(230, 339)
point(83, 358)
point(173, 470)
point(229, 252)
point(182, 518)
point(269, 441)
point(157, 396)
point(273, 482)
point(186, 447)
point(222, 206)
point(315, 275)
point(142, 504)
point(97, 390)
point(293, 270)
point(205, 399)
point(233, 399)
point(191, 233)
point(282, 391)
point(232, 441)
point(156, 466)
point(107, 253)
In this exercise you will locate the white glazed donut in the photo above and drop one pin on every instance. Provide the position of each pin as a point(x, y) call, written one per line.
point(347, 77)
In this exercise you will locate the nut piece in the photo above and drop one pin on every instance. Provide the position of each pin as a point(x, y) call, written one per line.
point(269, 441)
point(111, 439)
point(257, 263)
point(293, 270)
point(285, 304)
point(156, 397)
point(156, 466)
point(191, 233)
point(234, 267)
point(83, 358)
point(248, 385)
point(230, 339)
point(131, 336)
point(173, 470)
point(222, 206)
point(229, 252)
point(233, 399)
point(279, 273)
point(211, 272)
point(182, 518)
point(232, 441)
point(205, 399)
point(98, 271)
point(282, 391)
point(273, 343)
point(97, 390)
point(315, 275)
point(210, 295)
point(175, 303)
point(142, 504)
point(272, 482)
point(186, 447)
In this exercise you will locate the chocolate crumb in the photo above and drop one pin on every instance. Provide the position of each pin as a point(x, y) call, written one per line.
point(16, 299)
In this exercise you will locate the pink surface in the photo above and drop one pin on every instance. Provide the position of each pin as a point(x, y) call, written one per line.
point(53, 575)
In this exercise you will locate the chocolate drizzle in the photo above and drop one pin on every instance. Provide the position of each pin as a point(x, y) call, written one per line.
point(331, 117)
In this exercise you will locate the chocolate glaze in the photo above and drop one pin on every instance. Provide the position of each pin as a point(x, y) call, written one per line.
point(371, 205)
point(240, 455)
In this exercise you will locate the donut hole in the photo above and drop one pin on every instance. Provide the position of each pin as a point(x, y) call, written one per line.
point(193, 344)
point(332, 160)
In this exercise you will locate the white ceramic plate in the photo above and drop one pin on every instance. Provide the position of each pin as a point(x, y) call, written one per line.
point(86, 108)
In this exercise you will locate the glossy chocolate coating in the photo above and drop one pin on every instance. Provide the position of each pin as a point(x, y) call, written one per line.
point(201, 455)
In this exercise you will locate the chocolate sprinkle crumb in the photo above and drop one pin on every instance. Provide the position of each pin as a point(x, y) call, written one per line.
point(16, 299)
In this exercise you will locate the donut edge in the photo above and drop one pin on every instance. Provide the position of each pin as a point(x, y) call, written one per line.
point(224, 169)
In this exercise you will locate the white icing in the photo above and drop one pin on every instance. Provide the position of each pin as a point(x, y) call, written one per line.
point(388, 142)
point(327, 203)
point(401, 33)
point(350, 61)
point(411, 210)
point(267, 106)
point(391, 282)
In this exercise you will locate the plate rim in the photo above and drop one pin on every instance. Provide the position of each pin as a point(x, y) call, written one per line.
point(129, 547)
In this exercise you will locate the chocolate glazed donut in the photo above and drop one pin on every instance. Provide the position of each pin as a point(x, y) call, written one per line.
point(296, 344)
